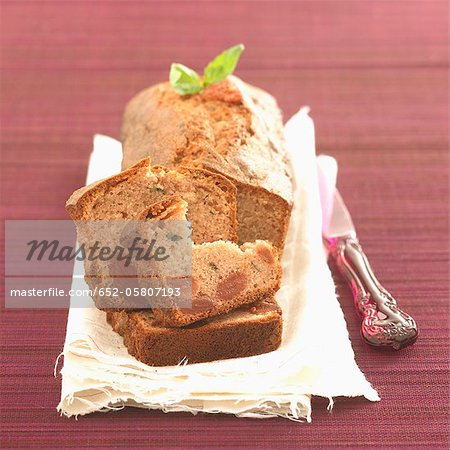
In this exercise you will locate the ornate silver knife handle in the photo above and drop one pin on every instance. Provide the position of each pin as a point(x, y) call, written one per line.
point(384, 324)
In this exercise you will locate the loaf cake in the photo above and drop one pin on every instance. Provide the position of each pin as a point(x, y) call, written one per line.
point(211, 198)
point(230, 128)
point(246, 331)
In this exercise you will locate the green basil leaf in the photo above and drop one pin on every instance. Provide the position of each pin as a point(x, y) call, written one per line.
point(223, 65)
point(184, 80)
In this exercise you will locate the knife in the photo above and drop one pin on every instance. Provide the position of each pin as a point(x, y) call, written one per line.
point(384, 324)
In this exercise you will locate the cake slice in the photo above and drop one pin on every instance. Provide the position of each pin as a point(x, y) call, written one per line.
point(224, 275)
point(211, 198)
point(249, 330)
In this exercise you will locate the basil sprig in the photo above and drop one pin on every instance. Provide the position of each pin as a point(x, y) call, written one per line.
point(187, 81)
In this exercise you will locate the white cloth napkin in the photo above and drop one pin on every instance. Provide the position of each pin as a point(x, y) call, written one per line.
point(315, 358)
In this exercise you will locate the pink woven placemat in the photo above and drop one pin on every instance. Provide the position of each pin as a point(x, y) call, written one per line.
point(375, 75)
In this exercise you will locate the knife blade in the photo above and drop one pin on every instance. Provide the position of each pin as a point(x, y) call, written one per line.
point(340, 223)
point(384, 324)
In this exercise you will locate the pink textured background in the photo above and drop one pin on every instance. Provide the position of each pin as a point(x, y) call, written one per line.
point(375, 75)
